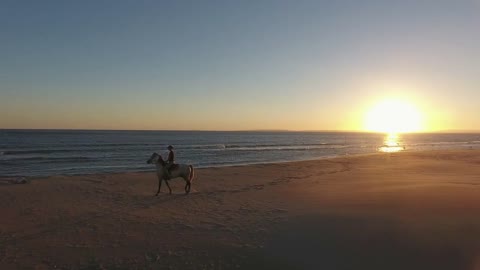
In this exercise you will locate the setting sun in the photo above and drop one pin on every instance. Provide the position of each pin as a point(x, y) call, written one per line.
point(392, 116)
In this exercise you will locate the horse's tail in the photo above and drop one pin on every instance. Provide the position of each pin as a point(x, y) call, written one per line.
point(192, 173)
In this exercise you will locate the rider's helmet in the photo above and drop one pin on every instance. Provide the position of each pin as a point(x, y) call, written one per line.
point(170, 147)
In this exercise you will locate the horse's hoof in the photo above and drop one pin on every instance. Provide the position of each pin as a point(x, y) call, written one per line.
point(156, 194)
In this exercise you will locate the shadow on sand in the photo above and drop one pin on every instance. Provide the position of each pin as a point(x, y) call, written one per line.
point(353, 243)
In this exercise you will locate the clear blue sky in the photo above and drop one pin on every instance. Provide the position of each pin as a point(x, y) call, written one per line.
point(236, 64)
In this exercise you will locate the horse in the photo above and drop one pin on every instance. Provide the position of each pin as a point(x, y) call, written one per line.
point(178, 170)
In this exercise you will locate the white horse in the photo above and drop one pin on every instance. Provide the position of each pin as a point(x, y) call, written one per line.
point(178, 170)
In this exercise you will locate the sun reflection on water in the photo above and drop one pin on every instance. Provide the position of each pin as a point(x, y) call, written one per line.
point(391, 143)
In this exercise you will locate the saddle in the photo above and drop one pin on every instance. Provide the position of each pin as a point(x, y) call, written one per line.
point(170, 169)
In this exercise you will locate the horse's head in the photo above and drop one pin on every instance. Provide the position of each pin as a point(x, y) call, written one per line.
point(155, 158)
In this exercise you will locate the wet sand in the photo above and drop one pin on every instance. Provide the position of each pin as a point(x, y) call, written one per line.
point(408, 210)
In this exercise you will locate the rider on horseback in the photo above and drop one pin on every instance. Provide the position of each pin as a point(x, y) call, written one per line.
point(170, 160)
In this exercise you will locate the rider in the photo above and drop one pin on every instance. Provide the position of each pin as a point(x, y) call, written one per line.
point(170, 160)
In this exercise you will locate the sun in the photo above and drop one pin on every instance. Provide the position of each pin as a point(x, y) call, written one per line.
point(393, 116)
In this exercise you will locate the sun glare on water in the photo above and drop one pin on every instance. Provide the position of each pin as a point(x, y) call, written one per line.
point(393, 116)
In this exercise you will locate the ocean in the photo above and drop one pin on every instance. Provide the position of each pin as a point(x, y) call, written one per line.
point(70, 152)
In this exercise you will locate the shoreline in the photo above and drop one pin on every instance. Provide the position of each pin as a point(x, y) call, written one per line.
point(76, 153)
point(415, 210)
point(199, 168)
point(237, 165)
point(225, 166)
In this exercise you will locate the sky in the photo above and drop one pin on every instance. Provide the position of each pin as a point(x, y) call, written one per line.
point(237, 65)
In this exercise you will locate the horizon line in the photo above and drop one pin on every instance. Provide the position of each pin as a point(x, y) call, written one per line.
point(240, 130)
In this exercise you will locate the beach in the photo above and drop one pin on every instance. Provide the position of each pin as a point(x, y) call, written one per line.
point(404, 210)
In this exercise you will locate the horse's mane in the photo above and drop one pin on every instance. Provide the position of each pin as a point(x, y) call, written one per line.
point(160, 160)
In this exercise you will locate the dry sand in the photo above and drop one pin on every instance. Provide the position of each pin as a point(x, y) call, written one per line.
point(410, 210)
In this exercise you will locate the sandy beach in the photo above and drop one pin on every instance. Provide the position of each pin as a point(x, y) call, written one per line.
point(407, 210)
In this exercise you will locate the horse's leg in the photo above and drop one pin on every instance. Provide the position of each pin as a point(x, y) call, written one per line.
point(159, 185)
point(187, 184)
point(186, 187)
point(166, 182)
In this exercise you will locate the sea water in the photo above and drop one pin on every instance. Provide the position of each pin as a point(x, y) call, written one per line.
point(67, 152)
